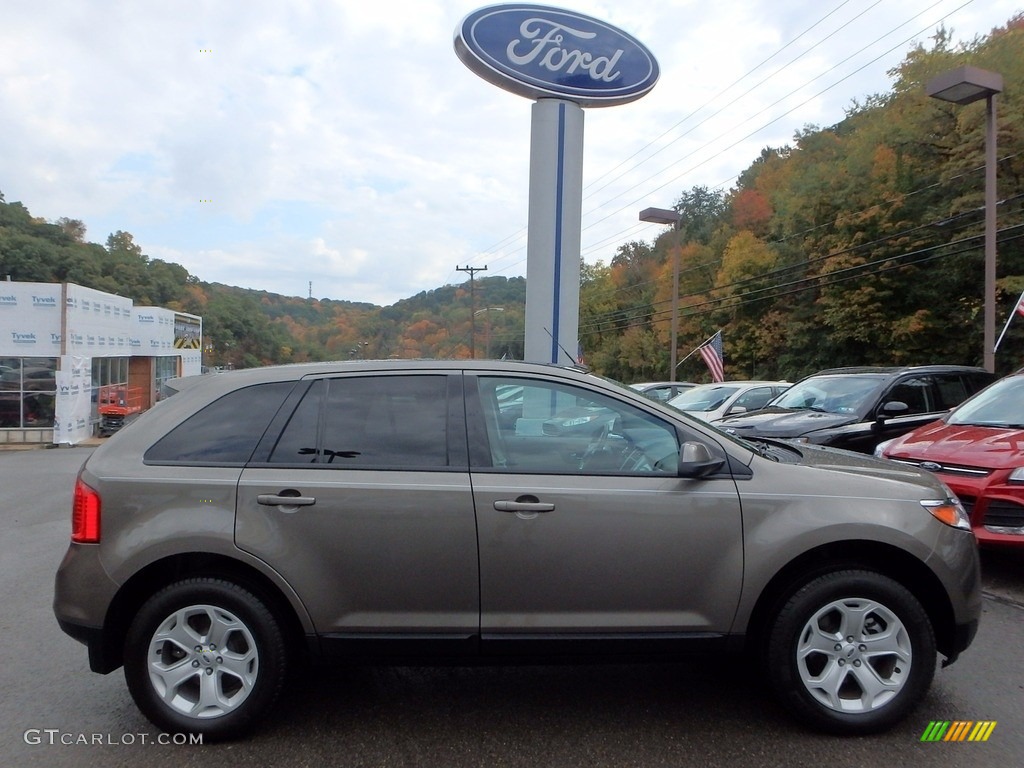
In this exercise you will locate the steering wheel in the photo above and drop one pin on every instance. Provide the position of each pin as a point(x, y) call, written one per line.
point(596, 444)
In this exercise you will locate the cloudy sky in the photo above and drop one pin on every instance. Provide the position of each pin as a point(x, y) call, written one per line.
point(342, 143)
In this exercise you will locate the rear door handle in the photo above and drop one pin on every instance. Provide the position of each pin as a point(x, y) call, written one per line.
point(523, 504)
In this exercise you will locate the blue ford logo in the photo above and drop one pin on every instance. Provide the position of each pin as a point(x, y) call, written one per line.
point(931, 466)
point(541, 52)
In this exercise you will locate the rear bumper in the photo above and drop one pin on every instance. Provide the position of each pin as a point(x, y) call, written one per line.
point(81, 597)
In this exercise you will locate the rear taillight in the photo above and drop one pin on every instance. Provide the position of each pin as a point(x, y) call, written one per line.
point(85, 515)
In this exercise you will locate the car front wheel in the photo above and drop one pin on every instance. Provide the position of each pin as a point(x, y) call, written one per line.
point(204, 656)
point(851, 652)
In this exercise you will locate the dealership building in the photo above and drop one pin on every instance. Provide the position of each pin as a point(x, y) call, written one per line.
point(74, 359)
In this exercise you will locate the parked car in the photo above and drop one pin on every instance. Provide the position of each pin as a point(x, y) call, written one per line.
point(662, 391)
point(389, 512)
point(710, 402)
point(978, 451)
point(857, 408)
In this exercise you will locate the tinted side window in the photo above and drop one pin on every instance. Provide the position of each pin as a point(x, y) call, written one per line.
point(755, 398)
point(369, 422)
point(952, 390)
point(978, 381)
point(299, 440)
point(224, 432)
point(916, 393)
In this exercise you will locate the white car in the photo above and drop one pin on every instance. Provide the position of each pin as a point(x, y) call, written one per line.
point(662, 391)
point(710, 402)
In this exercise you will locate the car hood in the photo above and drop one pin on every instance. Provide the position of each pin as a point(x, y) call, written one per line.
point(783, 422)
point(885, 476)
point(963, 444)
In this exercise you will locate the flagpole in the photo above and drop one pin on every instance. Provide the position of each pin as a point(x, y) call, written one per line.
point(697, 348)
point(1016, 308)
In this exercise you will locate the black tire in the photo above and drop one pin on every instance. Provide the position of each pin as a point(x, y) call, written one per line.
point(227, 661)
point(851, 652)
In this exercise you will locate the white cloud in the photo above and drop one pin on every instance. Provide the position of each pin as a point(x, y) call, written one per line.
point(343, 143)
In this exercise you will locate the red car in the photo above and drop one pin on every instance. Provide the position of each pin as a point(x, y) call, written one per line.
point(978, 451)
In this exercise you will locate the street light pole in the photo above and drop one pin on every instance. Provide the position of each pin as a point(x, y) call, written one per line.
point(487, 328)
point(668, 216)
point(964, 86)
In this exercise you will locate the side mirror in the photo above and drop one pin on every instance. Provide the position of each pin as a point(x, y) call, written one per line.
point(695, 460)
point(736, 409)
point(890, 409)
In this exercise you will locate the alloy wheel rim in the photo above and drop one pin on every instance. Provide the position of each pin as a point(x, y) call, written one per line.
point(854, 655)
point(203, 661)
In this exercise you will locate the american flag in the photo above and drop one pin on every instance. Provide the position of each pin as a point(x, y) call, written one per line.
point(711, 351)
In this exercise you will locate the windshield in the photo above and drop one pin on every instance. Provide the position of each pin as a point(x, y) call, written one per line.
point(707, 397)
point(831, 394)
point(1001, 405)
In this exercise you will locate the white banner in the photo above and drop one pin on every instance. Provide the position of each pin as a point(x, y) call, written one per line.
point(74, 402)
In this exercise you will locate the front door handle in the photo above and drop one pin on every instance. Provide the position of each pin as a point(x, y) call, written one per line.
point(523, 504)
point(274, 500)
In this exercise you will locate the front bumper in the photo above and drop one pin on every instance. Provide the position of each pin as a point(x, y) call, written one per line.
point(996, 508)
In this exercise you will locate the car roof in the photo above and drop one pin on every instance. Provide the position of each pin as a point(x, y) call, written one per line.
point(898, 369)
point(227, 381)
point(742, 382)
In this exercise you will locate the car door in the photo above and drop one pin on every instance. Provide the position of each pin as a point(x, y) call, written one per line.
point(586, 533)
point(919, 394)
point(362, 502)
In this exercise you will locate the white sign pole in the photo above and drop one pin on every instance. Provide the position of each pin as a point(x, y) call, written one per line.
point(553, 243)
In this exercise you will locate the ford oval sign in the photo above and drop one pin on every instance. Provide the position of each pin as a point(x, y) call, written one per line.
point(541, 52)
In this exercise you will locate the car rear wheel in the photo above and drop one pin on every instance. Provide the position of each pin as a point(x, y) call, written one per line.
point(205, 656)
point(851, 652)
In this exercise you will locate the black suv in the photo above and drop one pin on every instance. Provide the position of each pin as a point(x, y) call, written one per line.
point(858, 408)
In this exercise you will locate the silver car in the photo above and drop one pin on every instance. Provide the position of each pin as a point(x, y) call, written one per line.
point(494, 511)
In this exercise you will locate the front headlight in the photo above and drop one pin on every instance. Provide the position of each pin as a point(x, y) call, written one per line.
point(880, 448)
point(949, 511)
point(1017, 476)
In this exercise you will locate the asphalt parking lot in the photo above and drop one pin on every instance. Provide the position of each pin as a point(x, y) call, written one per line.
point(57, 713)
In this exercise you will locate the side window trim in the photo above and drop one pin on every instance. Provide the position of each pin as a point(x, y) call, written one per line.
point(277, 424)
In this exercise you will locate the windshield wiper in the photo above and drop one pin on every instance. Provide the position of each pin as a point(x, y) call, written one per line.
point(761, 448)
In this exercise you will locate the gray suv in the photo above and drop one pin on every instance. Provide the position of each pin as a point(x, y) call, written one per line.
point(480, 511)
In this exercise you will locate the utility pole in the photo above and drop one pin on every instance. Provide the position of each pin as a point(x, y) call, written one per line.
point(472, 305)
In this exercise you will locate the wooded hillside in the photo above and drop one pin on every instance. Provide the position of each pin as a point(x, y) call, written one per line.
point(859, 243)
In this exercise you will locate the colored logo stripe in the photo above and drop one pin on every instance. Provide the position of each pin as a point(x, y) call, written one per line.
point(958, 730)
point(982, 730)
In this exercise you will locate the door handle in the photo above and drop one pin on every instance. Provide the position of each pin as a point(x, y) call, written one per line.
point(273, 500)
point(523, 504)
